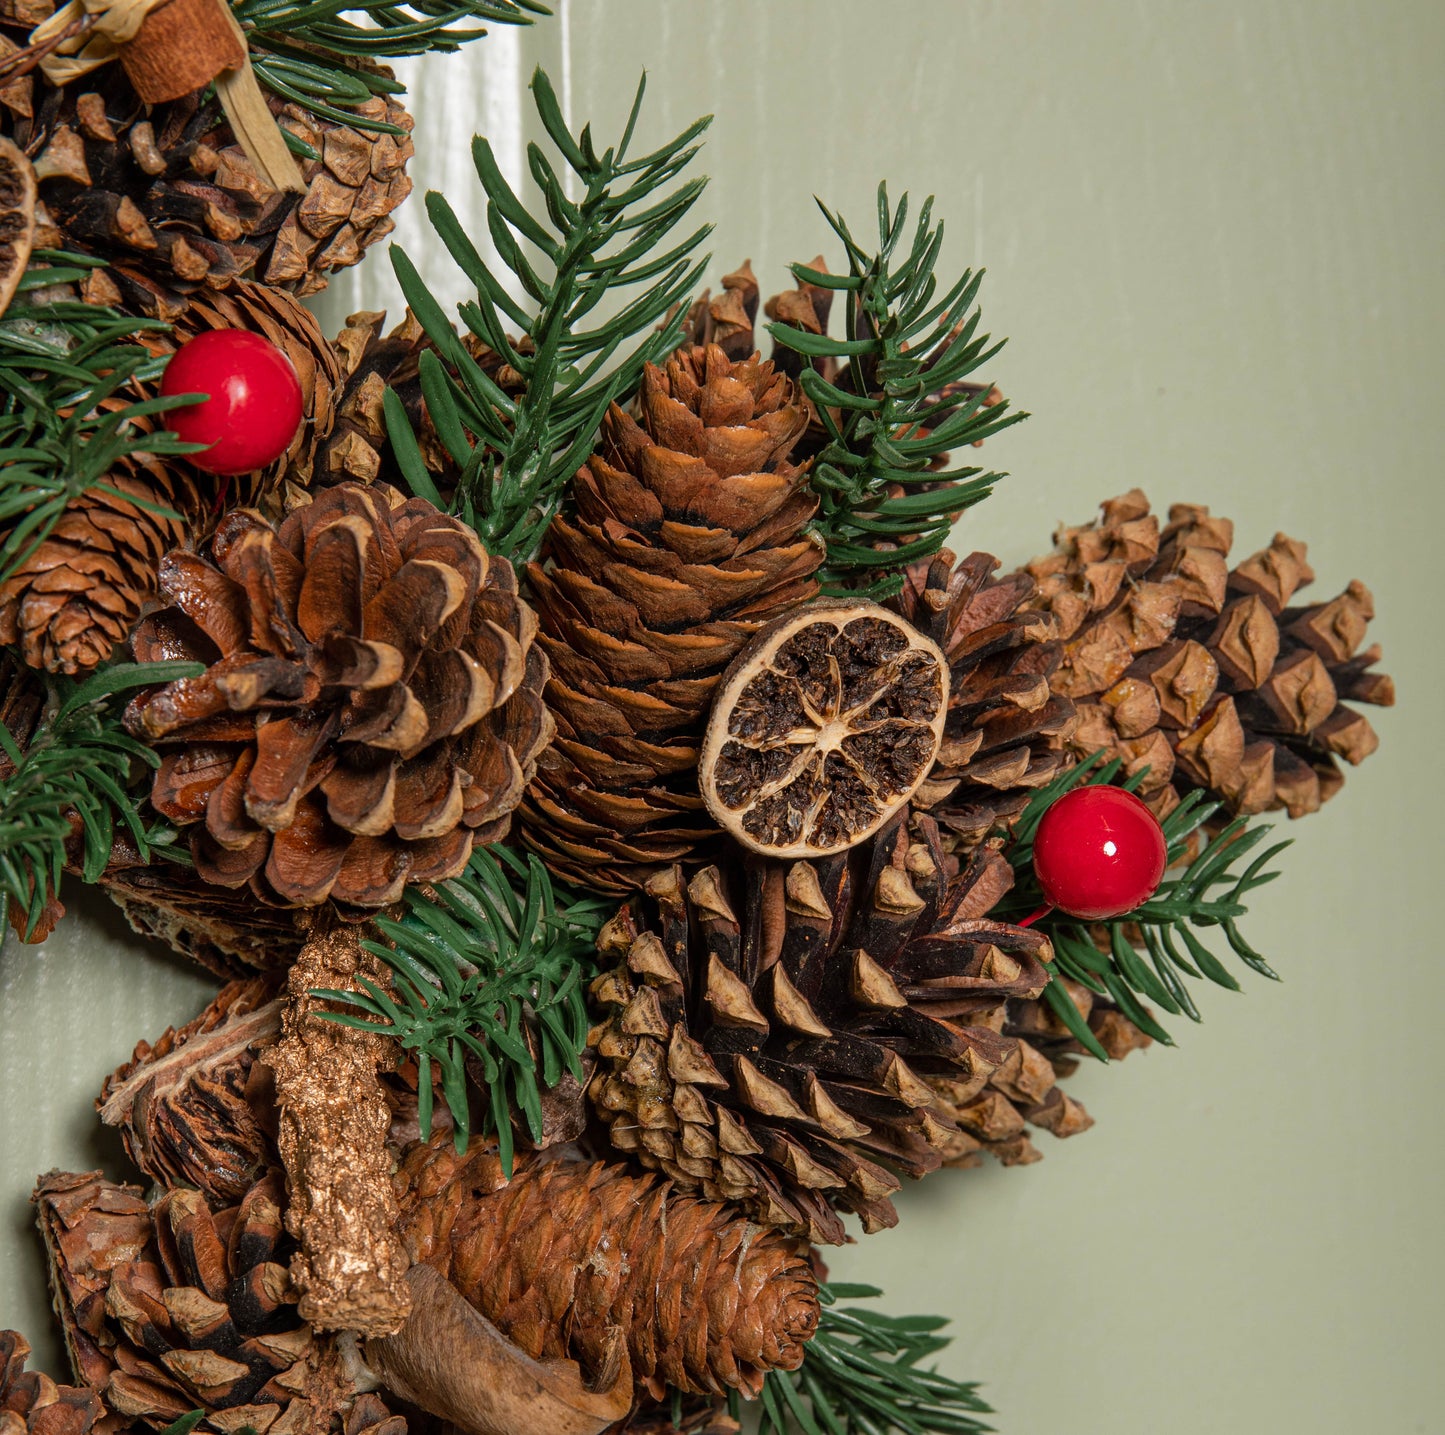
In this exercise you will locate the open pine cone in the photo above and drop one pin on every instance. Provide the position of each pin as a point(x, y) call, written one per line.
point(775, 1028)
point(175, 1308)
point(371, 706)
point(1001, 736)
point(1204, 674)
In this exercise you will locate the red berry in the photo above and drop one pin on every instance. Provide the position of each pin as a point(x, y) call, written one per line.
point(1098, 853)
point(254, 408)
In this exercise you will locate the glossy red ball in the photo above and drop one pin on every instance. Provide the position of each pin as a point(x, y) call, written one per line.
point(254, 405)
point(1098, 853)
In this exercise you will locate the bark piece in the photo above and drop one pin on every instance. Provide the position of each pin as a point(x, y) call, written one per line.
point(333, 1121)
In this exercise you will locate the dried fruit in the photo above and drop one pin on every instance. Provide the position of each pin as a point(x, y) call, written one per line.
point(824, 726)
point(17, 218)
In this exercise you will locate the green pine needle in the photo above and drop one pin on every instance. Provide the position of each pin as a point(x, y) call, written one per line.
point(897, 404)
point(493, 967)
point(74, 774)
point(324, 54)
point(1207, 894)
point(861, 1376)
point(515, 456)
point(65, 368)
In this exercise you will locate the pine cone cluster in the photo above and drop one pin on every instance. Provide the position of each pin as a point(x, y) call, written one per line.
point(73, 600)
point(566, 1252)
point(177, 1307)
point(688, 536)
point(775, 1030)
point(371, 705)
point(1001, 737)
point(1206, 674)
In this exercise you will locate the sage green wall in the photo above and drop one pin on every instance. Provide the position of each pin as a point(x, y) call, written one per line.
point(1213, 236)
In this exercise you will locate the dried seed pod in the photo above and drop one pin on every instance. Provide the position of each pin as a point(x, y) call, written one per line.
point(823, 728)
point(17, 218)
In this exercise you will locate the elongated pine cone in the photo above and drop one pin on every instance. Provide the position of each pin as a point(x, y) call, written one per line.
point(1204, 674)
point(371, 706)
point(174, 1308)
point(72, 601)
point(775, 1031)
point(688, 537)
point(1001, 736)
point(33, 1404)
point(566, 1251)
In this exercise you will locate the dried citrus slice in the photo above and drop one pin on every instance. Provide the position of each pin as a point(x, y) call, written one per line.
point(822, 728)
point(17, 218)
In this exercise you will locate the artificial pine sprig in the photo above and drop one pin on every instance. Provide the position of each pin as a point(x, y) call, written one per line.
point(65, 421)
point(494, 966)
point(72, 780)
point(1207, 893)
point(323, 54)
point(861, 1376)
point(896, 402)
point(515, 455)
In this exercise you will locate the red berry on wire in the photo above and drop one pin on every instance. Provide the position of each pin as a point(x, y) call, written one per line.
point(254, 406)
point(1098, 853)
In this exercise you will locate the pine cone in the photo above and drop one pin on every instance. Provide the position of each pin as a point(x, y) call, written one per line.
point(173, 1308)
point(1000, 742)
point(688, 537)
point(32, 1403)
point(166, 194)
point(196, 1108)
point(773, 1028)
point(564, 1252)
point(74, 599)
point(1205, 674)
point(371, 708)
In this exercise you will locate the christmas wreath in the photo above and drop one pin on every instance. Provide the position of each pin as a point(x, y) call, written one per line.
point(630, 842)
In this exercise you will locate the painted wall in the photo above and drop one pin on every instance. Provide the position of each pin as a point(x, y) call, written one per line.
point(1213, 237)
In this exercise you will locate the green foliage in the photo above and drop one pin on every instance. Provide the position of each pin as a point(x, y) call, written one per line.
point(897, 402)
point(64, 425)
point(75, 772)
point(186, 1424)
point(515, 455)
point(860, 1376)
point(485, 970)
point(1208, 893)
point(324, 54)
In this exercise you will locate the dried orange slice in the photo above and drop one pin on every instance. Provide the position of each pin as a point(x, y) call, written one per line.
point(822, 728)
point(17, 218)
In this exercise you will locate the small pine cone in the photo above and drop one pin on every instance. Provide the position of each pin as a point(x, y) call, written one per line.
point(1204, 674)
point(33, 1404)
point(72, 601)
point(173, 1308)
point(1001, 739)
point(195, 1108)
point(727, 320)
point(565, 1251)
point(772, 1030)
point(688, 537)
point(371, 707)
point(170, 198)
